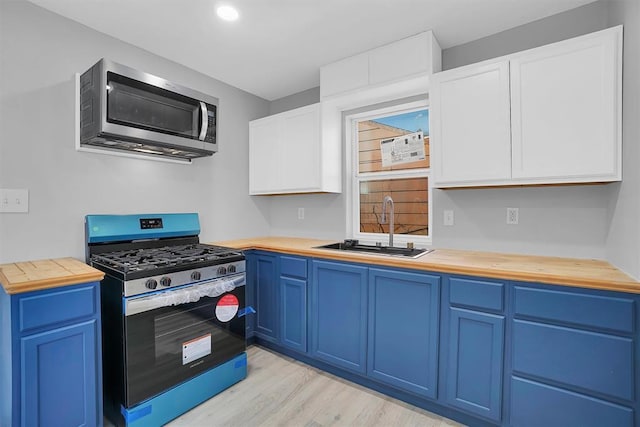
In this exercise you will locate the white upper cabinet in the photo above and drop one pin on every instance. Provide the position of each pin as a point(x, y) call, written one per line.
point(470, 115)
point(286, 156)
point(264, 155)
point(345, 75)
point(565, 110)
point(419, 54)
point(548, 115)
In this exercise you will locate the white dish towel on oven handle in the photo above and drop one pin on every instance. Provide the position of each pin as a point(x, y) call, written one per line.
point(184, 295)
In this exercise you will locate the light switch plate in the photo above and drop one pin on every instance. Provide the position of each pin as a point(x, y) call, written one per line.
point(14, 200)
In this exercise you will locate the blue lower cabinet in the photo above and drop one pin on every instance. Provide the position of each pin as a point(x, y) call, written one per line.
point(250, 292)
point(58, 367)
point(479, 350)
point(534, 404)
point(475, 362)
point(404, 312)
point(574, 358)
point(50, 363)
point(293, 314)
point(597, 362)
point(339, 314)
point(267, 301)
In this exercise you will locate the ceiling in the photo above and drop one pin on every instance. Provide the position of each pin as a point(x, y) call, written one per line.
point(276, 47)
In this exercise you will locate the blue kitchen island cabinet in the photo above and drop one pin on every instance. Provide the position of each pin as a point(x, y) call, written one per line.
point(267, 316)
point(404, 313)
point(473, 367)
point(50, 361)
point(339, 314)
point(293, 303)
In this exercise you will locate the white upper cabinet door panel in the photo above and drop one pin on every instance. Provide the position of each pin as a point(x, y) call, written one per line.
point(566, 110)
point(264, 155)
point(403, 58)
point(394, 62)
point(301, 149)
point(345, 75)
point(470, 130)
point(286, 154)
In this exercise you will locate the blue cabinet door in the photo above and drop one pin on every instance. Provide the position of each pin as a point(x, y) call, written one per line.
point(339, 314)
point(404, 313)
point(250, 293)
point(267, 316)
point(474, 365)
point(293, 313)
point(60, 378)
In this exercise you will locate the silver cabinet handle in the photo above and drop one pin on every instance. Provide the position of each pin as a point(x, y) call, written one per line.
point(205, 121)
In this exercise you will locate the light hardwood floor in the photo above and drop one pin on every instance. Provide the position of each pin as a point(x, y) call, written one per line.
point(280, 391)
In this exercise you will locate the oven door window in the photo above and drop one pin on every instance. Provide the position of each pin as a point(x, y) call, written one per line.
point(144, 106)
point(168, 345)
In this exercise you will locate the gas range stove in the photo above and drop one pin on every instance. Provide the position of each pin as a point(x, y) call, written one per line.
point(173, 314)
point(154, 259)
point(149, 260)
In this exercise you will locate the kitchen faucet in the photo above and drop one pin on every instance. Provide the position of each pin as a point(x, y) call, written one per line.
point(388, 201)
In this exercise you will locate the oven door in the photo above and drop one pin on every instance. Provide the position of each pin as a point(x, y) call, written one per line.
point(174, 335)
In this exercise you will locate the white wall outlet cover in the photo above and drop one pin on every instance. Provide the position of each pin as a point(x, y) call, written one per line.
point(300, 213)
point(512, 216)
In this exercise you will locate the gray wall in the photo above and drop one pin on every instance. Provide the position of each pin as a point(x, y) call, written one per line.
point(623, 240)
point(559, 221)
point(300, 99)
point(576, 221)
point(572, 23)
point(39, 54)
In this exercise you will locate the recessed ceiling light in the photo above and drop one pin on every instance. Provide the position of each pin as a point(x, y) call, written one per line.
point(228, 13)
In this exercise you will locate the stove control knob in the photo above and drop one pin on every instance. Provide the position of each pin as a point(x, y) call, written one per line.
point(196, 275)
point(151, 284)
point(232, 268)
point(222, 270)
point(165, 281)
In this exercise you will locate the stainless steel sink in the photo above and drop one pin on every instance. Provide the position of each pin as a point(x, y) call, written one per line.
point(355, 246)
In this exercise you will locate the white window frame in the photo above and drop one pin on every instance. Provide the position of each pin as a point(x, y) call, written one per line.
point(354, 178)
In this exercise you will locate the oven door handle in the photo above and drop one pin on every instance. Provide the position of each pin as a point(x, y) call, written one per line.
point(184, 295)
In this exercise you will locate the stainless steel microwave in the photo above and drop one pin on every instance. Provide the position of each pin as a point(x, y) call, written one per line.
point(126, 109)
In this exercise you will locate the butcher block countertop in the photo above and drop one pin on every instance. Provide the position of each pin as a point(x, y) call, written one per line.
point(43, 274)
point(584, 273)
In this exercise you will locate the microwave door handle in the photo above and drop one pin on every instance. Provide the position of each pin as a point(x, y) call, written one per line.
point(205, 121)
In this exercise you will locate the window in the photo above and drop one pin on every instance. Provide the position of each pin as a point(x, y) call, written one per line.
point(390, 157)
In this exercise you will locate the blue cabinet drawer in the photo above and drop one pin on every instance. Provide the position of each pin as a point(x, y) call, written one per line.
point(588, 361)
point(293, 266)
point(534, 405)
point(57, 306)
point(610, 313)
point(479, 294)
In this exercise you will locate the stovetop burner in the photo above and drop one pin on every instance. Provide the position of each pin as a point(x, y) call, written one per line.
point(145, 259)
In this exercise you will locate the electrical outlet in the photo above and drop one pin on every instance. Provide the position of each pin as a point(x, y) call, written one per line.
point(512, 216)
point(448, 217)
point(300, 213)
point(14, 200)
